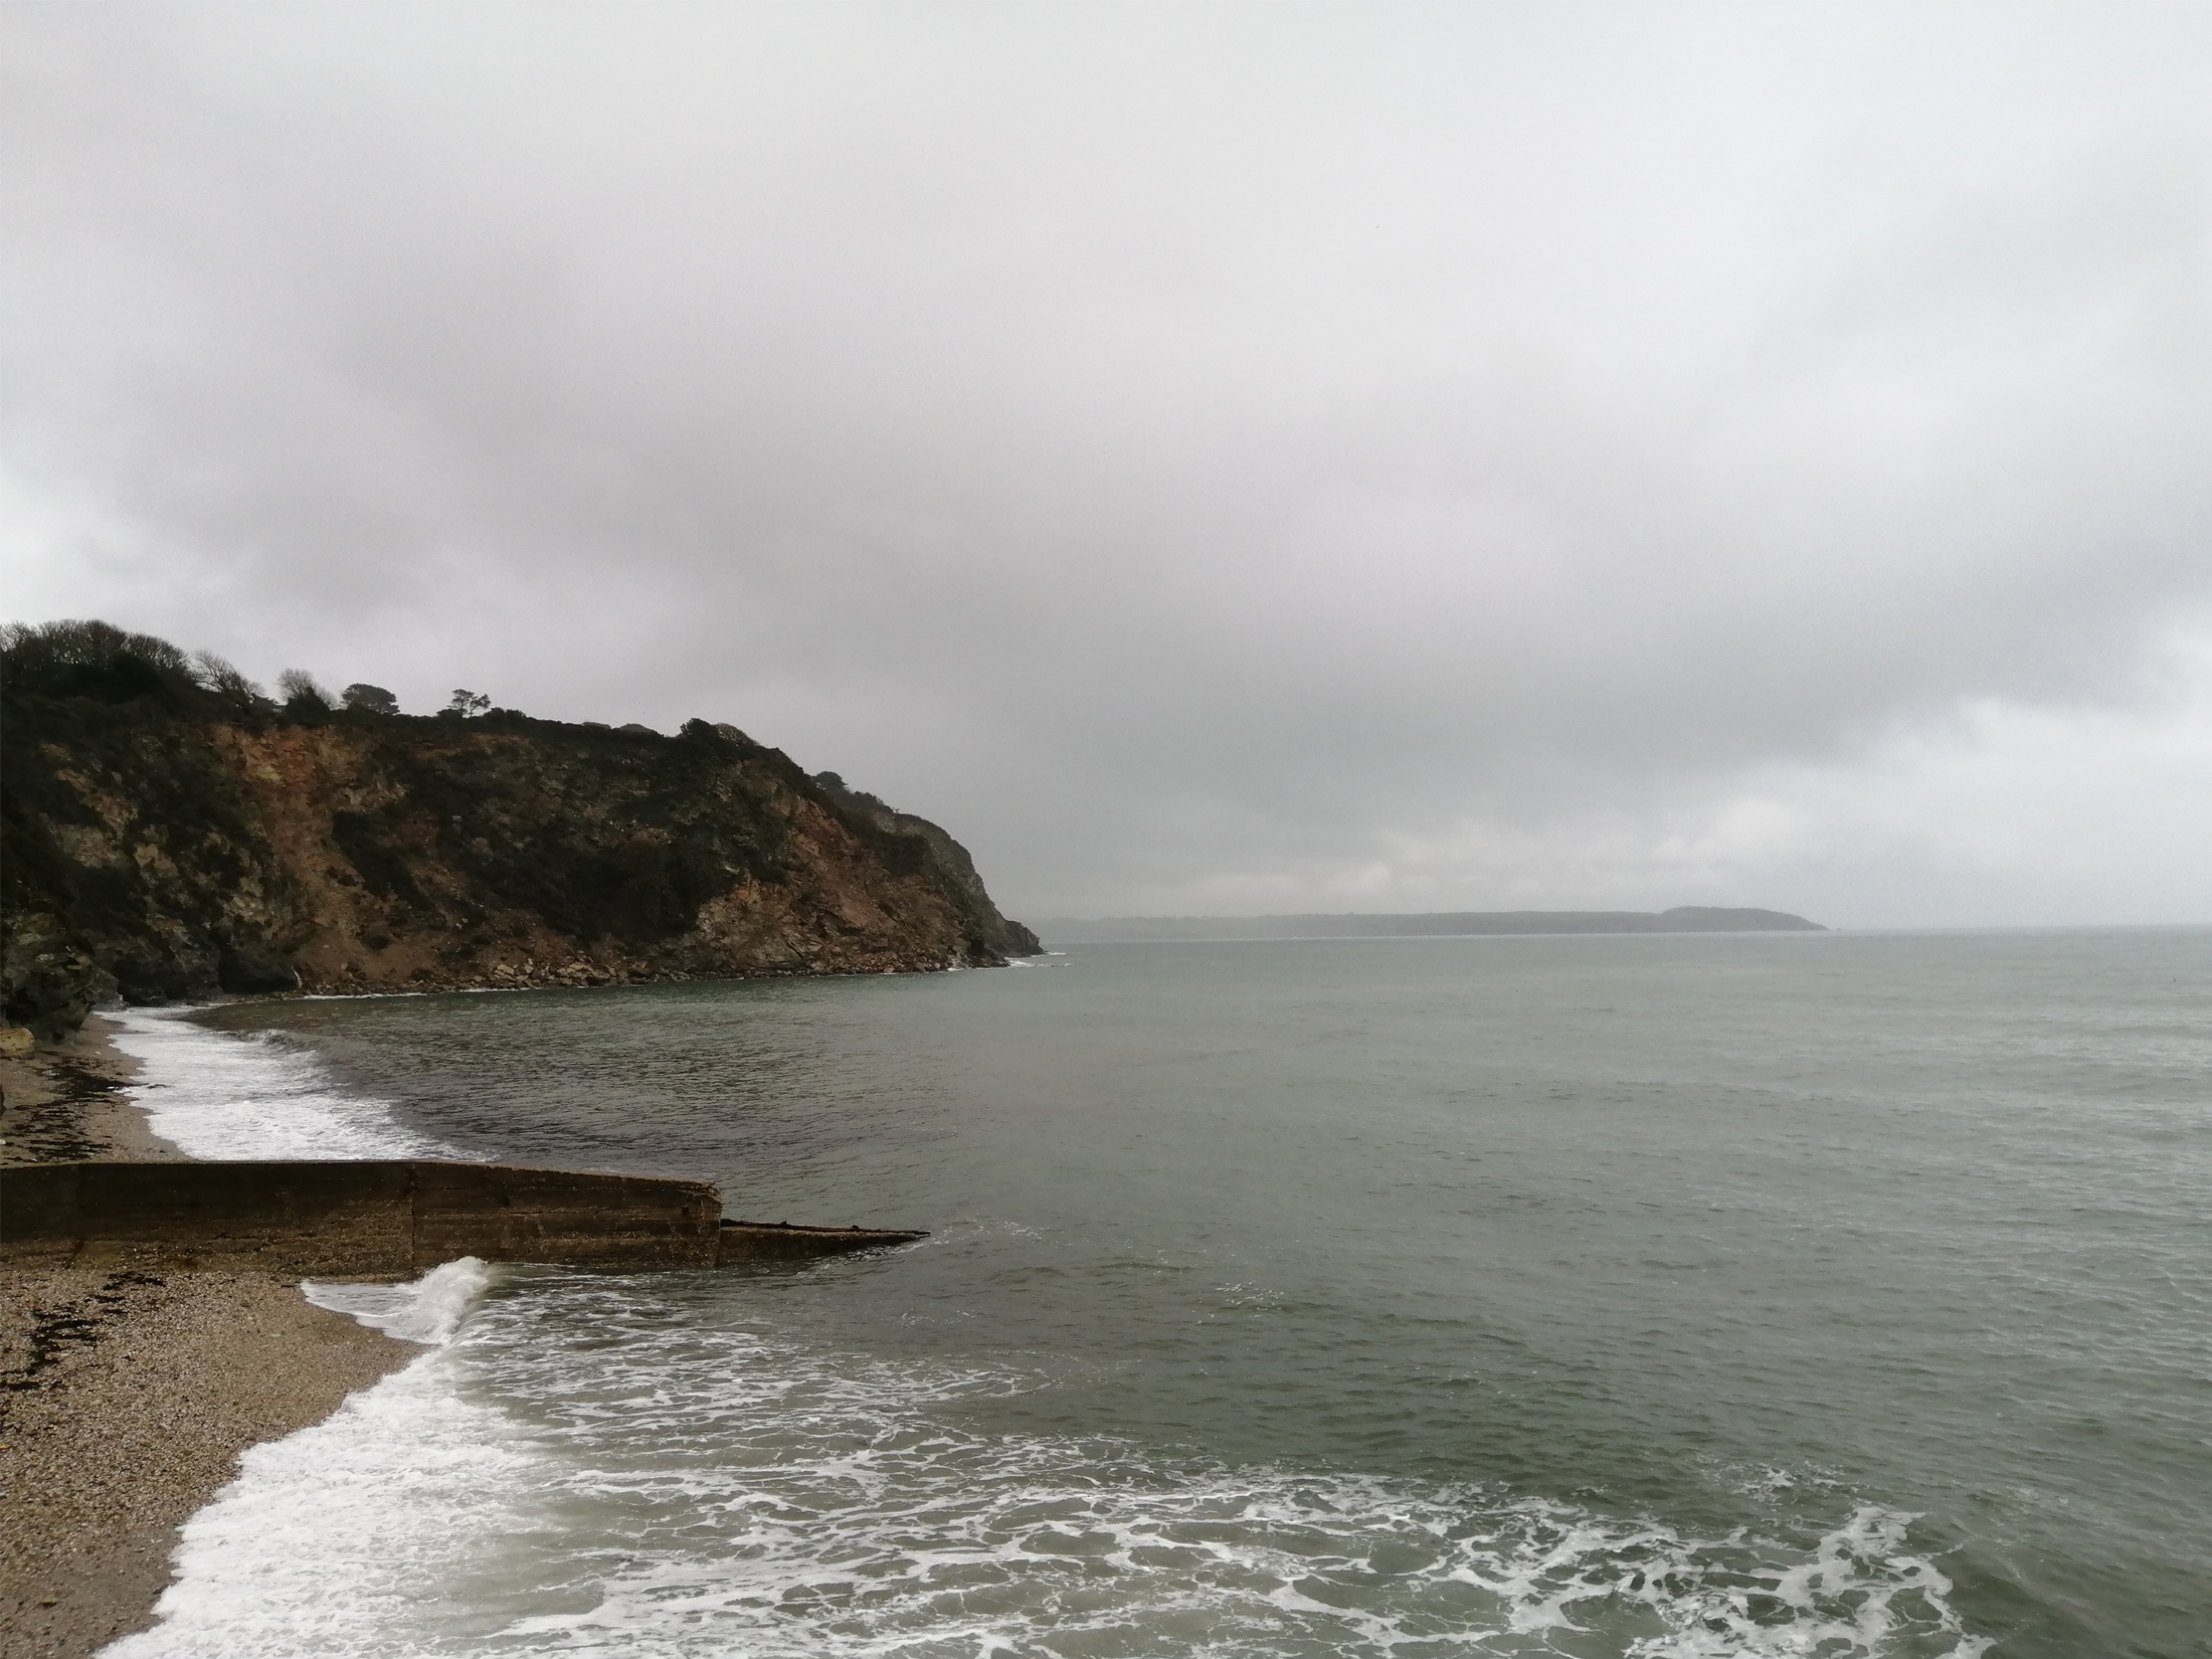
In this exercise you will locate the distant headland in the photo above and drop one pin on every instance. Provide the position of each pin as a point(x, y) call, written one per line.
point(1686, 918)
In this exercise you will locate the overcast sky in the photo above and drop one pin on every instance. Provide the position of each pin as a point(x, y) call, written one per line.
point(1212, 458)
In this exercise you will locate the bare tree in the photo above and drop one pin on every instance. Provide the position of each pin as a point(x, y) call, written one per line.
point(219, 677)
point(298, 688)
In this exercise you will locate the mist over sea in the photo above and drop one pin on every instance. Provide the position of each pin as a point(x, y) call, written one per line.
point(1802, 1294)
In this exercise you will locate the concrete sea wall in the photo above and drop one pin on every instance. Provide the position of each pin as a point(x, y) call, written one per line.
point(372, 1219)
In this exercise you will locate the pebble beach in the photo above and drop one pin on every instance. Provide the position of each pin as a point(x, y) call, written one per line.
point(125, 1396)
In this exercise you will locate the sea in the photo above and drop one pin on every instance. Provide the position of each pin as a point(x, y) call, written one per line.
point(1825, 1294)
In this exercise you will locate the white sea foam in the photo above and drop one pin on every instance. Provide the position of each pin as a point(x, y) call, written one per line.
point(225, 1096)
point(583, 1469)
point(426, 1310)
point(317, 1547)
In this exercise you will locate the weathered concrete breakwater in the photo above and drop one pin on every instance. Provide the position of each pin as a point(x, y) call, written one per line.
point(383, 1220)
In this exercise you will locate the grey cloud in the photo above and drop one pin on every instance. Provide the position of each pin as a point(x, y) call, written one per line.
point(1179, 448)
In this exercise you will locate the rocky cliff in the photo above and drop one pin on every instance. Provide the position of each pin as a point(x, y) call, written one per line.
point(168, 833)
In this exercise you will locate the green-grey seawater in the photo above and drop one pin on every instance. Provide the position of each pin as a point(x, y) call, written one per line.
point(1794, 1294)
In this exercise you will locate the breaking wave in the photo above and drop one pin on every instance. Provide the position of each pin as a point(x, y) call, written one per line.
point(230, 1096)
point(427, 1310)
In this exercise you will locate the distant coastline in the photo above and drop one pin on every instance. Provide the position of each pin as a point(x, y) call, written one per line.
point(1686, 918)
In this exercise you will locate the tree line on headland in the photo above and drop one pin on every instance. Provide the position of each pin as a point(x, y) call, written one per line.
point(96, 660)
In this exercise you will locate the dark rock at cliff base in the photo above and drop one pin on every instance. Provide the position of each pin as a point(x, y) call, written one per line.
point(248, 972)
point(162, 842)
point(49, 979)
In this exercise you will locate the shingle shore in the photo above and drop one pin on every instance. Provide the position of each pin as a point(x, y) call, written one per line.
point(126, 1396)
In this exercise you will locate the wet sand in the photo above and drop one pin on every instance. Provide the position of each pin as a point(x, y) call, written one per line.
point(64, 1103)
point(125, 1396)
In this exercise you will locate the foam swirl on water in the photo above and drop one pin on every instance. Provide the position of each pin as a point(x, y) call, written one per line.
point(588, 1466)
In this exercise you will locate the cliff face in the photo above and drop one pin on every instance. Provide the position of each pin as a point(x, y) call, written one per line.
point(162, 853)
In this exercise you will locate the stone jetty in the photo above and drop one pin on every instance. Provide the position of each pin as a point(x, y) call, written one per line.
point(387, 1218)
